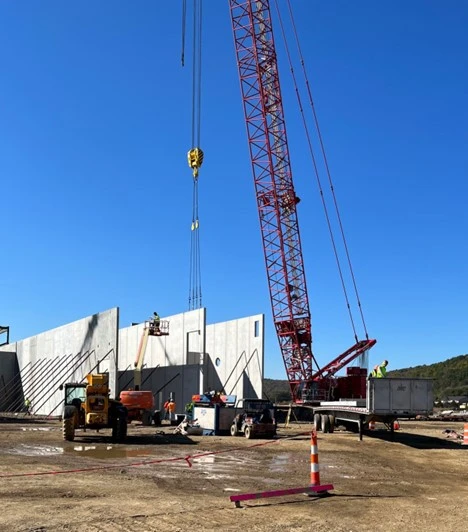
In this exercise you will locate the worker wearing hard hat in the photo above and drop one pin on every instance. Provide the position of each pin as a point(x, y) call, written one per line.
point(380, 370)
point(156, 321)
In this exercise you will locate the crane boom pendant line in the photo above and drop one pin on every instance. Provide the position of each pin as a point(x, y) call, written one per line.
point(277, 201)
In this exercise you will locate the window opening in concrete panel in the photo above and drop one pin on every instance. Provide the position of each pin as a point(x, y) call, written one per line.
point(193, 355)
point(4, 335)
point(256, 328)
point(218, 362)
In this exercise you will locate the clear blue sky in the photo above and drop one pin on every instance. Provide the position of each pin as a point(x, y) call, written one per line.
point(96, 194)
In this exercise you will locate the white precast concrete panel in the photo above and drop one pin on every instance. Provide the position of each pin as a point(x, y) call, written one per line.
point(66, 354)
point(179, 356)
point(238, 344)
point(235, 351)
point(170, 350)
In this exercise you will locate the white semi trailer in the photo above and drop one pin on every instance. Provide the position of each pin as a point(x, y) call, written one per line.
point(386, 400)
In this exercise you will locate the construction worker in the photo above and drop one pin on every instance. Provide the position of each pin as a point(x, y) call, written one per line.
point(166, 410)
point(380, 370)
point(189, 409)
point(171, 408)
point(27, 406)
point(156, 321)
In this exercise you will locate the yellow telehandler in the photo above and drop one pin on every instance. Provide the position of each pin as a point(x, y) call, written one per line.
point(88, 406)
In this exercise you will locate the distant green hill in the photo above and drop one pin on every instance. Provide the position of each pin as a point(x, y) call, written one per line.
point(450, 379)
point(276, 390)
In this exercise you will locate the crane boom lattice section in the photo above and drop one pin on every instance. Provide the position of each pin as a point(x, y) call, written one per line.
point(276, 198)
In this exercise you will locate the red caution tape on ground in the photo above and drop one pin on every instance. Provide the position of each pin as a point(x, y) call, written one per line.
point(187, 458)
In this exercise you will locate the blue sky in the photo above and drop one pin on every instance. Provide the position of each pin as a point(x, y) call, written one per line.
point(96, 194)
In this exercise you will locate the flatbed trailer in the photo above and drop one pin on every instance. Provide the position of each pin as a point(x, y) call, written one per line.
point(386, 401)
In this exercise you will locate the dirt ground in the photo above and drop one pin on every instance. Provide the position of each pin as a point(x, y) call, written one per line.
point(419, 481)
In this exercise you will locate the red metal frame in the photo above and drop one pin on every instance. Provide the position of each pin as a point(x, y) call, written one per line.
point(344, 359)
point(276, 198)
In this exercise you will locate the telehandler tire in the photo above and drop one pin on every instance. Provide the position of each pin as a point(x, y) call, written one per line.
point(68, 429)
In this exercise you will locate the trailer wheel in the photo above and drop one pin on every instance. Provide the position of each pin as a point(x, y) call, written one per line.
point(331, 417)
point(68, 429)
point(234, 431)
point(325, 423)
point(248, 433)
point(317, 422)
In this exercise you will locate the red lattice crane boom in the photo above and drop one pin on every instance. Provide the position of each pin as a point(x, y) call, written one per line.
point(277, 200)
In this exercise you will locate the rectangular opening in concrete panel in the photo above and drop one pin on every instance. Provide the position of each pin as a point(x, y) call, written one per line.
point(193, 347)
point(4, 335)
point(10, 382)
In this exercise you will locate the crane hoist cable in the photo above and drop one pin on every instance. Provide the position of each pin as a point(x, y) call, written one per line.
point(184, 23)
point(195, 154)
point(317, 173)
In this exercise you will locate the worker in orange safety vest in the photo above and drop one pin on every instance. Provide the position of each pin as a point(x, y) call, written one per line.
point(166, 409)
point(171, 408)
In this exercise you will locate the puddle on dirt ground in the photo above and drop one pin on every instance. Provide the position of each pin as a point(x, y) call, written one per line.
point(92, 451)
point(36, 428)
point(104, 452)
point(224, 467)
point(35, 450)
point(216, 467)
point(280, 462)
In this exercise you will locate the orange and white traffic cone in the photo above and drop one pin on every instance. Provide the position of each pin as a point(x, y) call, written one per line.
point(314, 465)
point(314, 461)
point(465, 434)
point(396, 425)
point(371, 425)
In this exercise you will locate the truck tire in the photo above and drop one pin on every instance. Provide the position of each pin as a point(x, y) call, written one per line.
point(234, 431)
point(119, 430)
point(248, 432)
point(331, 417)
point(325, 423)
point(68, 429)
point(317, 422)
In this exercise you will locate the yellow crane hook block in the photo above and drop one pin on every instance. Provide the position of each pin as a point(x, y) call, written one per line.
point(195, 160)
